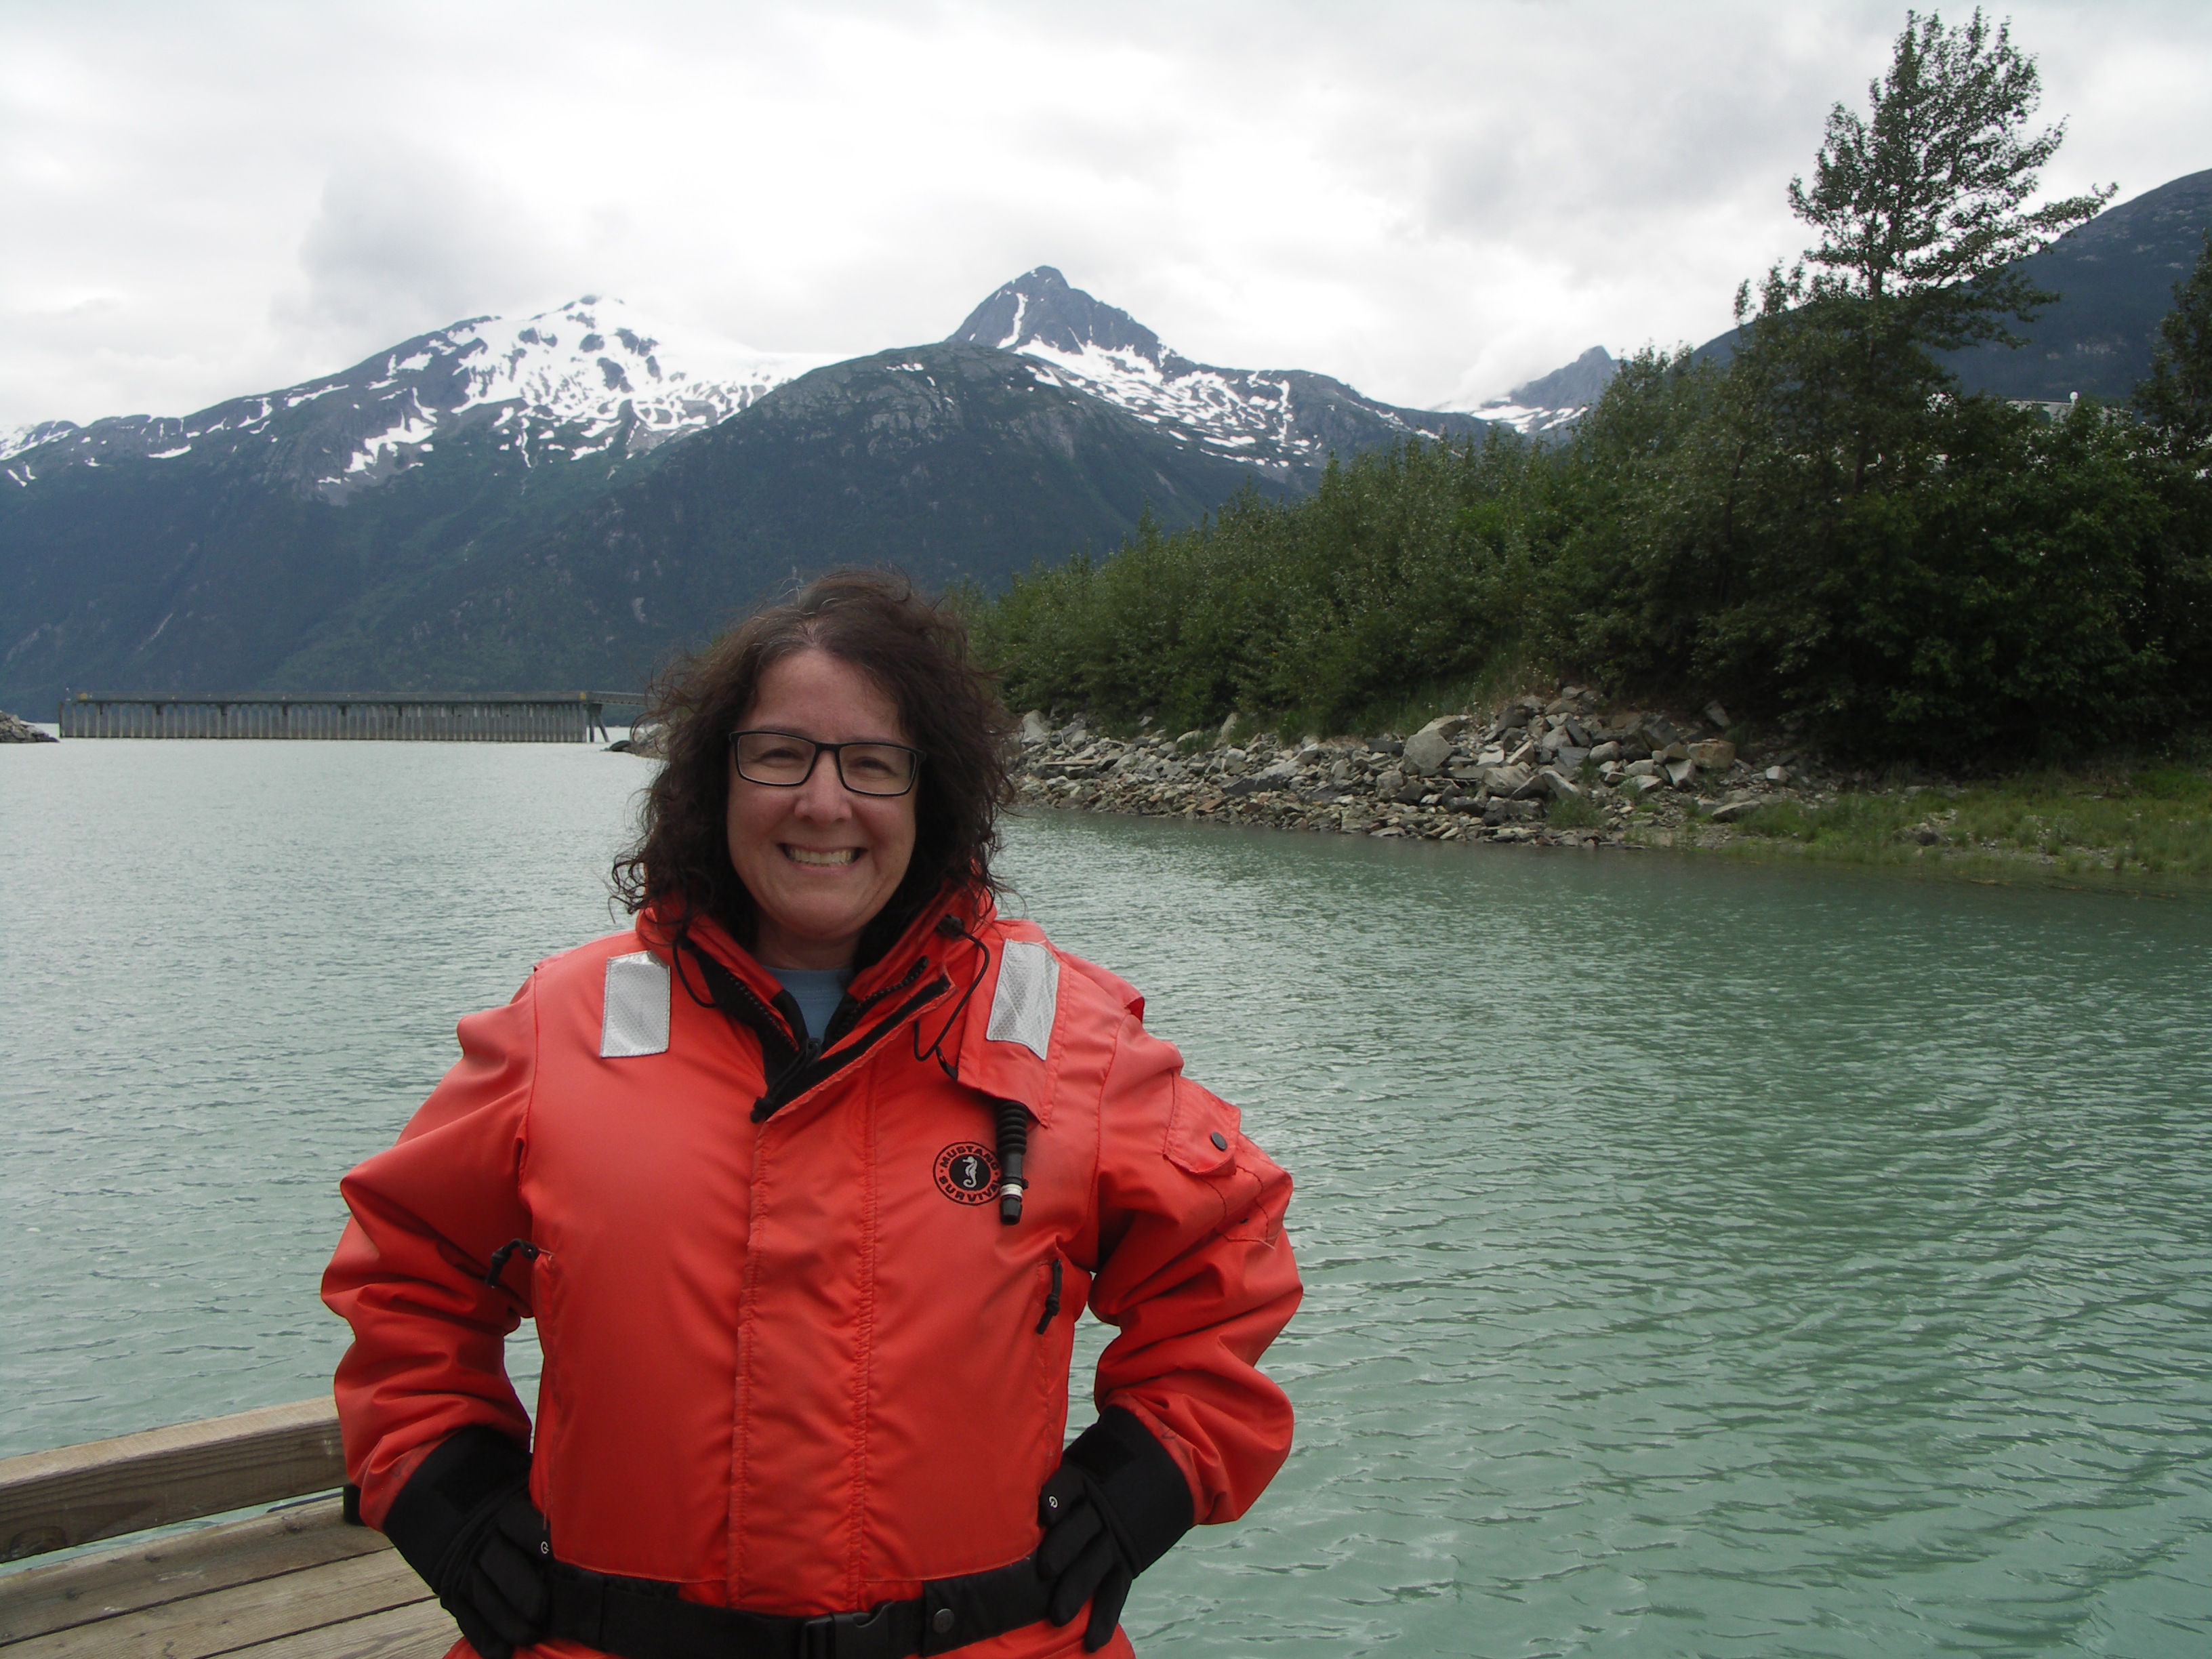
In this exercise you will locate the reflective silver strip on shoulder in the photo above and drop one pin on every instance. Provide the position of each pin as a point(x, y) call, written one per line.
point(635, 1019)
point(1027, 997)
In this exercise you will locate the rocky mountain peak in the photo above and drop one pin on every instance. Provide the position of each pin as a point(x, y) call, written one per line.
point(1576, 385)
point(1039, 309)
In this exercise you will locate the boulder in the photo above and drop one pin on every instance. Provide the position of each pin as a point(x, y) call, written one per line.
point(1643, 768)
point(1507, 781)
point(1228, 726)
point(1034, 727)
point(15, 730)
point(1556, 786)
point(1682, 772)
point(1195, 735)
point(1730, 812)
point(1606, 751)
point(1718, 716)
point(1714, 755)
point(1391, 784)
point(1643, 783)
point(1429, 749)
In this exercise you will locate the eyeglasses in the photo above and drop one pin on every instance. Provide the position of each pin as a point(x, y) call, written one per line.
point(784, 762)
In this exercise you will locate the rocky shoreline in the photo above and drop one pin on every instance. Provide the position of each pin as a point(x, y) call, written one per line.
point(15, 729)
point(1563, 771)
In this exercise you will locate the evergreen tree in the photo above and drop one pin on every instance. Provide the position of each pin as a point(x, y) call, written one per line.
point(1920, 207)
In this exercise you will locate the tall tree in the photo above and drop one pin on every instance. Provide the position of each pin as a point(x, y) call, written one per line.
point(1921, 207)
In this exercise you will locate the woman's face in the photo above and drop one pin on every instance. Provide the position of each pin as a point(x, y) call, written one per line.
point(819, 861)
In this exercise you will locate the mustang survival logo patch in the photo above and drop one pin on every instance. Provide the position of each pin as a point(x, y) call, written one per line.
point(968, 1172)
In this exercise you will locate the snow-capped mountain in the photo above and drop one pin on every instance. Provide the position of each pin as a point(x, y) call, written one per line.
point(1554, 401)
point(590, 378)
point(1282, 421)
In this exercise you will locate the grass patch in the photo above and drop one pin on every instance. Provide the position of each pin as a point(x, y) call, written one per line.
point(1575, 813)
point(2156, 820)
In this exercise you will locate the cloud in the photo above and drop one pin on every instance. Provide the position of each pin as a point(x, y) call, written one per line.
point(1432, 199)
point(403, 240)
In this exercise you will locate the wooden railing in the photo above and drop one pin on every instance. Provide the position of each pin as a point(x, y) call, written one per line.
point(53, 1500)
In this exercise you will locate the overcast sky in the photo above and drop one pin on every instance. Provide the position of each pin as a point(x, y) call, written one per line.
point(1432, 201)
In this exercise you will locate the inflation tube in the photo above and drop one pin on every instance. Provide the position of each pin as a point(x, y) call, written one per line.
point(1014, 1146)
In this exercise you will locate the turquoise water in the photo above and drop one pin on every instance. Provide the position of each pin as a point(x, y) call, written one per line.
point(1702, 1259)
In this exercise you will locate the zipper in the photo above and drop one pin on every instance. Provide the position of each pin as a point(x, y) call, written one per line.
point(813, 1067)
point(794, 1067)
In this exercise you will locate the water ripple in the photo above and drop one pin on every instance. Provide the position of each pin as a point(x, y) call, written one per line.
point(1702, 1261)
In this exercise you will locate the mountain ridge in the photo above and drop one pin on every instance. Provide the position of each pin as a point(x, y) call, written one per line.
point(1284, 423)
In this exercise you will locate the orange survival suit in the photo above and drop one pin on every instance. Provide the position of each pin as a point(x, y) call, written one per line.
point(794, 1361)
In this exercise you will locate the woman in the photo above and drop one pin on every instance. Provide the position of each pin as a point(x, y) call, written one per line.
point(805, 1180)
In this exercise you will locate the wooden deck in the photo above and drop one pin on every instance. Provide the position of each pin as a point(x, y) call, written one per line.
point(294, 1581)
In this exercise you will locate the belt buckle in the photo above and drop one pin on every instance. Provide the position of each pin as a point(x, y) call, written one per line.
point(848, 1635)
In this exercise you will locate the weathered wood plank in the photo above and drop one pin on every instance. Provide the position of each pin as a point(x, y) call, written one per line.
point(51, 1500)
point(423, 1631)
point(93, 1587)
point(241, 1615)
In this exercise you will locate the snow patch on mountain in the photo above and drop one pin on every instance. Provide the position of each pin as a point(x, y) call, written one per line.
point(1554, 402)
point(1278, 420)
point(589, 378)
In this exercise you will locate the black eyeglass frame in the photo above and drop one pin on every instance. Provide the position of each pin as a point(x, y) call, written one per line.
point(836, 753)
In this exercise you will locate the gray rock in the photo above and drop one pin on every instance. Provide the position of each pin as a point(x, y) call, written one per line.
point(1507, 781)
point(1718, 716)
point(1643, 783)
point(1571, 759)
point(14, 729)
point(1715, 755)
point(1228, 726)
point(1034, 729)
point(1556, 786)
point(1643, 768)
point(1608, 750)
point(1193, 735)
point(1729, 812)
point(1679, 773)
point(1391, 784)
point(1428, 750)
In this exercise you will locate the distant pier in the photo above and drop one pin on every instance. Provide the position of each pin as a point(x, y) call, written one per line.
point(380, 717)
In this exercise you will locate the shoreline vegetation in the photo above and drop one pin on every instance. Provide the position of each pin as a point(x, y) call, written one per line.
point(1575, 771)
point(1964, 633)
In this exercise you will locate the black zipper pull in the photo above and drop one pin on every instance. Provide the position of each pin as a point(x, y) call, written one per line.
point(504, 1254)
point(1051, 1301)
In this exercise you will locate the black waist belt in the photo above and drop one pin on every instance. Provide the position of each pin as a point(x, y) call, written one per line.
point(644, 1619)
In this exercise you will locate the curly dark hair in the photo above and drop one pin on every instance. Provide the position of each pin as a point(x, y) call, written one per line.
point(917, 651)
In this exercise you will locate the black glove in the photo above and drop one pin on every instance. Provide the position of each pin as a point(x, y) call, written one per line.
point(465, 1522)
point(1116, 1504)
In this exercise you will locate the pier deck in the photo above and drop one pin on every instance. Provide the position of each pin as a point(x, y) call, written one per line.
point(291, 1581)
point(376, 717)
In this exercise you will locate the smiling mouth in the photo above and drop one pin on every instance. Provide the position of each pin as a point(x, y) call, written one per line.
point(820, 857)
